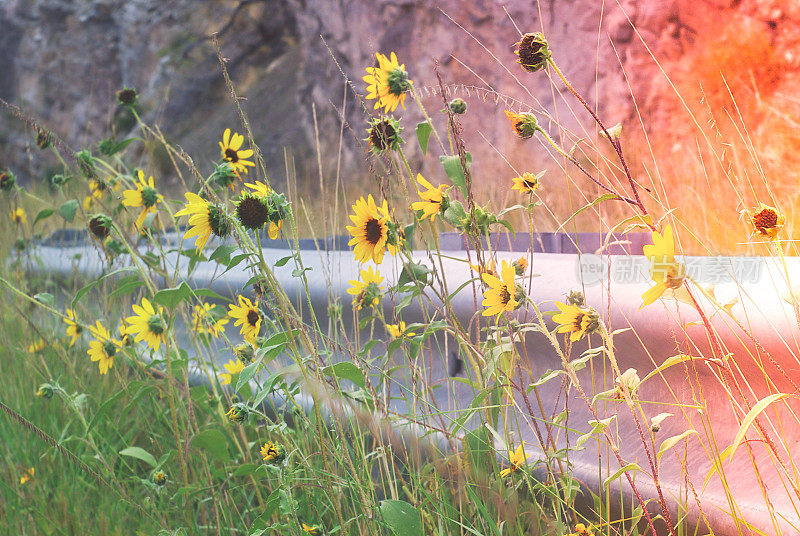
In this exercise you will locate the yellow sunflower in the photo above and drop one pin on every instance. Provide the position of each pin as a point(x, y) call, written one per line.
point(368, 291)
point(18, 216)
point(432, 198)
point(575, 320)
point(233, 367)
point(74, 329)
point(248, 315)
point(204, 219)
point(311, 530)
point(399, 330)
point(232, 152)
point(488, 269)
point(666, 273)
point(203, 321)
point(144, 196)
point(148, 324)
point(272, 453)
point(516, 460)
point(388, 83)
point(370, 230)
point(36, 346)
point(103, 348)
point(502, 292)
point(527, 183)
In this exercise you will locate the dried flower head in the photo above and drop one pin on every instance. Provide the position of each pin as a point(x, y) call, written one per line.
point(127, 96)
point(533, 52)
point(766, 221)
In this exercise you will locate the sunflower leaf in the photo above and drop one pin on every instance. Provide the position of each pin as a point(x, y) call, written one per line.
point(247, 374)
point(68, 209)
point(214, 442)
point(140, 454)
point(454, 170)
point(44, 213)
point(348, 371)
point(424, 130)
point(402, 518)
point(170, 297)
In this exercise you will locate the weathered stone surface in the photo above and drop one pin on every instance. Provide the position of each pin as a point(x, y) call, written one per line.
point(63, 61)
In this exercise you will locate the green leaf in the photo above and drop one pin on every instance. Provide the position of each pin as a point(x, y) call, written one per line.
point(672, 441)
point(126, 285)
point(402, 518)
point(141, 454)
point(597, 427)
point(283, 260)
point(346, 370)
point(414, 274)
point(44, 213)
point(604, 197)
point(222, 254)
point(214, 442)
point(170, 297)
point(546, 377)
point(246, 375)
point(752, 415)
point(117, 147)
point(68, 209)
point(44, 297)
point(424, 130)
point(454, 170)
point(629, 467)
point(455, 214)
point(82, 292)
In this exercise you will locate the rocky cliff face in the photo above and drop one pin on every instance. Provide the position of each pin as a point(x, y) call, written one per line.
point(63, 61)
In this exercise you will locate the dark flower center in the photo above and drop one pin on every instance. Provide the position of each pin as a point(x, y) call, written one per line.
point(529, 184)
point(253, 317)
point(156, 324)
point(578, 322)
point(373, 231)
point(126, 96)
point(765, 220)
point(231, 155)
point(505, 296)
point(252, 212)
point(109, 349)
point(532, 52)
point(99, 226)
point(382, 134)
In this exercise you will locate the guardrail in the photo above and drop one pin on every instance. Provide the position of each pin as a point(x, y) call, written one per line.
point(613, 284)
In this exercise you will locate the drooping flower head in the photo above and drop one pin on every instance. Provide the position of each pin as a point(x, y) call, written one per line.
point(399, 330)
point(766, 221)
point(159, 478)
point(205, 219)
point(533, 52)
point(520, 265)
point(576, 320)
point(232, 152)
point(273, 453)
point(148, 324)
point(19, 216)
point(433, 199)
point(664, 270)
point(103, 348)
point(527, 183)
point(7, 180)
point(525, 125)
point(384, 135)
point(99, 225)
point(248, 316)
point(203, 320)
point(503, 293)
point(233, 367)
point(74, 330)
point(367, 291)
point(388, 83)
point(370, 230)
point(516, 460)
point(145, 196)
point(276, 206)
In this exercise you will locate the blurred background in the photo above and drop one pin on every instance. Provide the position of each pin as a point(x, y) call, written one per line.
point(706, 91)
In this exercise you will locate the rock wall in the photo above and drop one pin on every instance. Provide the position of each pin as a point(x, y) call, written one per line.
point(63, 61)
